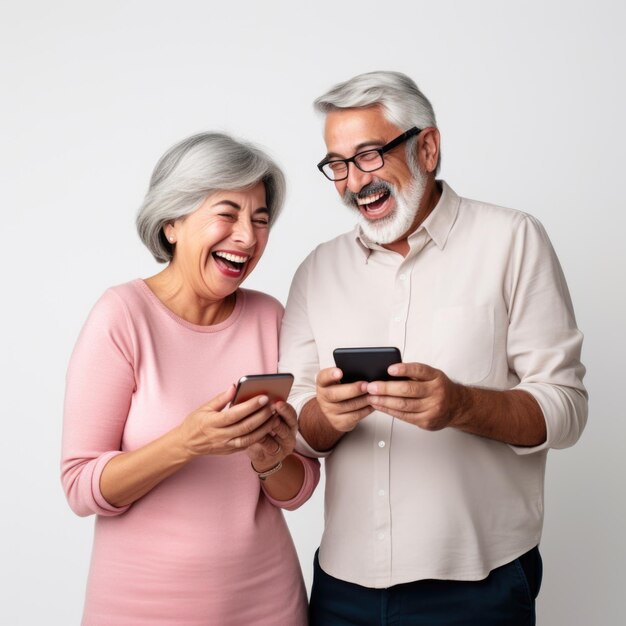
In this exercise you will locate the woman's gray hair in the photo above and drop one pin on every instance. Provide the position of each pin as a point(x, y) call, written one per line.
point(195, 168)
point(402, 102)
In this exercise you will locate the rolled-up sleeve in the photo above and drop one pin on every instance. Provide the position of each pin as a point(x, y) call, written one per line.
point(311, 479)
point(99, 386)
point(544, 344)
point(298, 351)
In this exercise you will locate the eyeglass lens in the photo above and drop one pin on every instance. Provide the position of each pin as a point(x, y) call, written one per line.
point(366, 161)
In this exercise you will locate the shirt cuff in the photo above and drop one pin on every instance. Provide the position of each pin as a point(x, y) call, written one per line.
point(565, 413)
point(306, 450)
point(302, 446)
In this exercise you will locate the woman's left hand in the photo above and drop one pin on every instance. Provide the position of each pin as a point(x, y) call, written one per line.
point(279, 443)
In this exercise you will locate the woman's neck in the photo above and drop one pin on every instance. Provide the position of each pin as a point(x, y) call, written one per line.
point(180, 297)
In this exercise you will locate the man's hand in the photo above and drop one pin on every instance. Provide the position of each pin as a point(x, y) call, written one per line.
point(343, 405)
point(428, 399)
point(336, 409)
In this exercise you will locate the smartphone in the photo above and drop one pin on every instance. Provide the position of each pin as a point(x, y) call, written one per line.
point(274, 386)
point(366, 363)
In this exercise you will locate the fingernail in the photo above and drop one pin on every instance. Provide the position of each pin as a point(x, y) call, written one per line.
point(263, 400)
point(371, 388)
point(393, 370)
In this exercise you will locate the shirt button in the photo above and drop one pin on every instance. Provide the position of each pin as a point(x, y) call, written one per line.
point(381, 492)
point(397, 318)
point(402, 277)
point(381, 536)
point(381, 444)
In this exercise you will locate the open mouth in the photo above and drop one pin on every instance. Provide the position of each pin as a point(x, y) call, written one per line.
point(373, 202)
point(230, 263)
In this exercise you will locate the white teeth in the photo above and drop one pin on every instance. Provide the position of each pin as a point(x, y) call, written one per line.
point(235, 258)
point(370, 199)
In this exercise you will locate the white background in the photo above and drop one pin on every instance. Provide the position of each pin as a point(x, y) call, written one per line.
point(530, 102)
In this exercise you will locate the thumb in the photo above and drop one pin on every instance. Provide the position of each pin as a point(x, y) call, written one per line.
point(221, 400)
point(329, 376)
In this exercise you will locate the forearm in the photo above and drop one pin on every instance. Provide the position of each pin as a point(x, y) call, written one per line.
point(131, 475)
point(286, 483)
point(315, 427)
point(513, 417)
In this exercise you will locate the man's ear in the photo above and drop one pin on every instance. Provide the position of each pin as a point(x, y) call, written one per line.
point(428, 149)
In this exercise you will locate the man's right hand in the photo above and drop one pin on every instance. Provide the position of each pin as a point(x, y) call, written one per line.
point(344, 406)
point(335, 410)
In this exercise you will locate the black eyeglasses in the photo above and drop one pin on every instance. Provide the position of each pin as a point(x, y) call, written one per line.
point(367, 161)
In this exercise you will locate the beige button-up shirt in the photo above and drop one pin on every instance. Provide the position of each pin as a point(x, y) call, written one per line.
point(482, 297)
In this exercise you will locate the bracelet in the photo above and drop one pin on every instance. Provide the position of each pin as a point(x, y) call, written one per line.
point(269, 472)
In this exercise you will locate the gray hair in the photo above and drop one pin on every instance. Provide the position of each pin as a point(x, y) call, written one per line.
point(402, 102)
point(192, 170)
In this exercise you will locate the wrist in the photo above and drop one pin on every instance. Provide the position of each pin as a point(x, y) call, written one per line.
point(262, 475)
point(315, 427)
point(461, 409)
point(181, 445)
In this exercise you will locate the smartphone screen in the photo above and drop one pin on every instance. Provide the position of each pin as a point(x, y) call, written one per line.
point(275, 386)
point(366, 363)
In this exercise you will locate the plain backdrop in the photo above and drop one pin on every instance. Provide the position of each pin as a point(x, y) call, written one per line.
point(529, 98)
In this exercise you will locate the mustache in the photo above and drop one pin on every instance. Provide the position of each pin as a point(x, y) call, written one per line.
point(375, 186)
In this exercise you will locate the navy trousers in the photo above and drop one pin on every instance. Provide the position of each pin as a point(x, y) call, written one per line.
point(505, 598)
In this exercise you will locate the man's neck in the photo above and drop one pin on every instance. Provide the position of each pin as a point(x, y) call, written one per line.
point(429, 200)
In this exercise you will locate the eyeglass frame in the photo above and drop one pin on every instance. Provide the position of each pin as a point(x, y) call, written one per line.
point(413, 131)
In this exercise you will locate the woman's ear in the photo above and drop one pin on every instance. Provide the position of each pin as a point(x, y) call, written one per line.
point(170, 232)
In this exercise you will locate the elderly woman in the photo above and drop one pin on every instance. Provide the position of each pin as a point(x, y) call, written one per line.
point(187, 489)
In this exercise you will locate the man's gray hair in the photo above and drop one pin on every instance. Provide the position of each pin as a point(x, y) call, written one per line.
point(402, 102)
point(195, 168)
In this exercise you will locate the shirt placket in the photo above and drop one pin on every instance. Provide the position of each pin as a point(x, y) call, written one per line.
point(382, 512)
point(401, 297)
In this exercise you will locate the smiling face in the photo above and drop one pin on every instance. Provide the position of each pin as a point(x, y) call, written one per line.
point(387, 199)
point(221, 242)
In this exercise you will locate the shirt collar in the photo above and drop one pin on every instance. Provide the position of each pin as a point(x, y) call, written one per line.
point(438, 224)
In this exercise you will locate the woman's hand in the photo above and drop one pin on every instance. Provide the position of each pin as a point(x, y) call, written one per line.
point(213, 429)
point(278, 443)
point(210, 429)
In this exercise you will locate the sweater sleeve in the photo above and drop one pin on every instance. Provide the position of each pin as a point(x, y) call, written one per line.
point(311, 478)
point(99, 386)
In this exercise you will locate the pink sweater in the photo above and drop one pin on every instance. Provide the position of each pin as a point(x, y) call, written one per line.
point(207, 545)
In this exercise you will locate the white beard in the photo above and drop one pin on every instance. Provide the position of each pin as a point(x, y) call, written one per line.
point(393, 226)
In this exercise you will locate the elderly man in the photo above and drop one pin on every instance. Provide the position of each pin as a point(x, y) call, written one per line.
point(434, 480)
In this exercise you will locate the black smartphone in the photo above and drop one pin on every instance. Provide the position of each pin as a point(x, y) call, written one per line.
point(366, 363)
point(274, 386)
